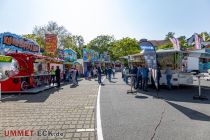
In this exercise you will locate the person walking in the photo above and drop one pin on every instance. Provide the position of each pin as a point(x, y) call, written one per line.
point(77, 75)
point(113, 72)
point(145, 73)
point(139, 77)
point(126, 72)
point(74, 73)
point(58, 76)
point(158, 77)
point(168, 73)
point(106, 72)
point(134, 71)
point(109, 72)
point(99, 74)
point(52, 75)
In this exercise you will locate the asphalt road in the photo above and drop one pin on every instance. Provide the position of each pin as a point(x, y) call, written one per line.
point(143, 117)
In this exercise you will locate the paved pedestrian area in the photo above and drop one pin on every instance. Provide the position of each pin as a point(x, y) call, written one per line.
point(67, 113)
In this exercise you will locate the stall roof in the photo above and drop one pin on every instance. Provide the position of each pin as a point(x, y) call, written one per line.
point(124, 57)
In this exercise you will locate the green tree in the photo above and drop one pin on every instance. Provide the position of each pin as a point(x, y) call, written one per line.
point(71, 42)
point(205, 36)
point(51, 28)
point(79, 40)
point(169, 35)
point(101, 43)
point(123, 47)
point(166, 46)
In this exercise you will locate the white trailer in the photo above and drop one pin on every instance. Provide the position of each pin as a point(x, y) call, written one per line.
point(173, 57)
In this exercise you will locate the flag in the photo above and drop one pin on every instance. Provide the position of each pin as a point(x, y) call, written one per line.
point(204, 37)
point(175, 43)
point(197, 42)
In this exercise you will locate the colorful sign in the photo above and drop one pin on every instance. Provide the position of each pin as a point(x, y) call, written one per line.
point(61, 54)
point(10, 43)
point(150, 58)
point(70, 55)
point(51, 44)
point(5, 58)
point(90, 55)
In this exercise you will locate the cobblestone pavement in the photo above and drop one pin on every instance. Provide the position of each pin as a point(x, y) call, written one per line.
point(68, 113)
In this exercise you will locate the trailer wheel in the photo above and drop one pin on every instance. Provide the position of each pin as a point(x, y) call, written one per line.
point(24, 85)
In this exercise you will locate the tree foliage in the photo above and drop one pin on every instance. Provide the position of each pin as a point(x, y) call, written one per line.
point(101, 43)
point(124, 47)
point(169, 35)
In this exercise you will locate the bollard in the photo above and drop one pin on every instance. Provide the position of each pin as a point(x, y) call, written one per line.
point(199, 86)
point(199, 96)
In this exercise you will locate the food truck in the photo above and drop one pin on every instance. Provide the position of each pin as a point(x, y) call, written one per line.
point(198, 60)
point(172, 57)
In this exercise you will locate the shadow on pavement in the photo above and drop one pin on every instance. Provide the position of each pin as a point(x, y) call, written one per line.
point(141, 97)
point(31, 98)
point(182, 94)
point(192, 114)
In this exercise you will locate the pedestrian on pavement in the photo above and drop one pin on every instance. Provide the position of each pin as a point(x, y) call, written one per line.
point(109, 72)
point(159, 75)
point(99, 74)
point(113, 70)
point(77, 75)
point(134, 71)
point(145, 74)
point(106, 72)
point(122, 72)
point(58, 76)
point(168, 73)
point(74, 72)
point(126, 72)
point(95, 72)
point(52, 75)
point(139, 77)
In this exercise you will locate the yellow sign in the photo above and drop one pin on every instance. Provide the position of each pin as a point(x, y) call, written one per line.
point(5, 58)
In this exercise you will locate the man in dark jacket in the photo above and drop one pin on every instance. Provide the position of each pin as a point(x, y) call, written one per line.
point(99, 74)
point(58, 76)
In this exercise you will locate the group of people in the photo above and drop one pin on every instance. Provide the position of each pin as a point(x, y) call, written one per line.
point(94, 72)
point(72, 75)
point(55, 76)
point(140, 76)
point(109, 71)
point(69, 75)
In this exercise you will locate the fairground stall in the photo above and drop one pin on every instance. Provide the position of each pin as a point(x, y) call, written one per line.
point(199, 60)
point(90, 60)
point(70, 56)
point(175, 59)
point(25, 70)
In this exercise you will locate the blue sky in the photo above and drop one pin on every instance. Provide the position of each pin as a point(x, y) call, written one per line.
point(151, 19)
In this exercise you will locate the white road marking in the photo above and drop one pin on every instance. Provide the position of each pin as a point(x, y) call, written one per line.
point(85, 130)
point(98, 111)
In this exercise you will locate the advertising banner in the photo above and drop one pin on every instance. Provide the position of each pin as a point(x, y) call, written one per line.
point(85, 54)
point(11, 43)
point(51, 44)
point(150, 58)
point(90, 55)
point(70, 55)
